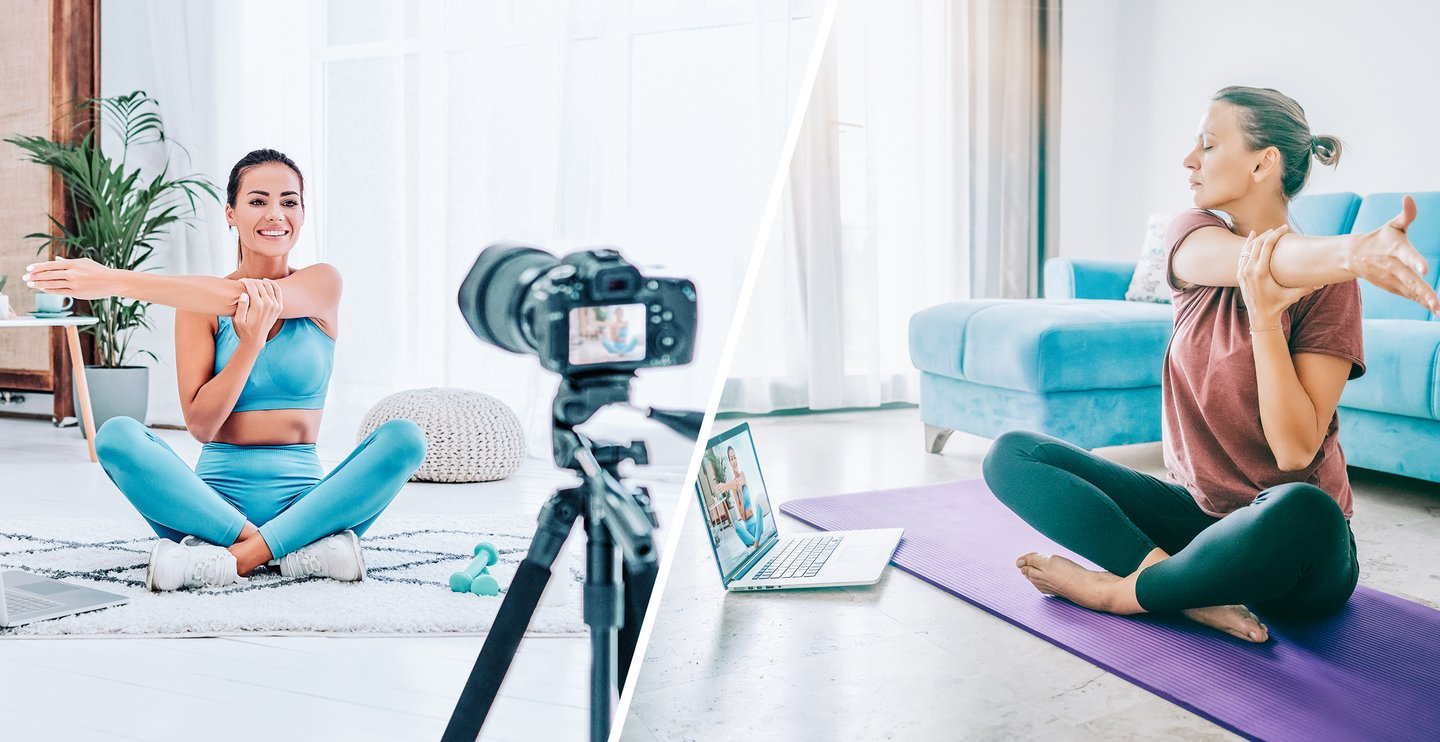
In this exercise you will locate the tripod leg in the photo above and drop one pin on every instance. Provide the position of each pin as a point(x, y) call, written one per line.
point(515, 613)
point(638, 584)
point(602, 615)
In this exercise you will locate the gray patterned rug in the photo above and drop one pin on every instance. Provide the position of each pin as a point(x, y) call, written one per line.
point(409, 560)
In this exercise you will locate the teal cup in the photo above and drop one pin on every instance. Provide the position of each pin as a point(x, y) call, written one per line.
point(52, 303)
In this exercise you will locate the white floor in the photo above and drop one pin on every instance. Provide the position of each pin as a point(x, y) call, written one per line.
point(276, 688)
point(902, 659)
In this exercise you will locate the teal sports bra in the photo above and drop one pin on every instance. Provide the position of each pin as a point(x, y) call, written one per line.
point(292, 371)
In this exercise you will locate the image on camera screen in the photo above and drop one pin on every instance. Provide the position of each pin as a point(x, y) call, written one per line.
point(607, 334)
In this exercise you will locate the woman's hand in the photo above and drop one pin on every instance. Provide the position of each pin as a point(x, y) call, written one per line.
point(1265, 299)
point(1386, 258)
point(259, 307)
point(80, 278)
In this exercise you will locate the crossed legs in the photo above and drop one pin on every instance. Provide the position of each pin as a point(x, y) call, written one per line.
point(177, 502)
point(1288, 553)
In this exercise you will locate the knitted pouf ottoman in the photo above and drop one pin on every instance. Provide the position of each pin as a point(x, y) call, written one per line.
point(469, 436)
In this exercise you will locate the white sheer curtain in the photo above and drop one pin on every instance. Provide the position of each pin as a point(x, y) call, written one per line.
point(178, 71)
point(907, 182)
point(427, 130)
point(1013, 92)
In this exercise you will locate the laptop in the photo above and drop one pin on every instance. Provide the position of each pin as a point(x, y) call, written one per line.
point(26, 598)
point(748, 547)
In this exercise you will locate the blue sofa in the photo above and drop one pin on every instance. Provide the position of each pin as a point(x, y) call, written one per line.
point(1084, 365)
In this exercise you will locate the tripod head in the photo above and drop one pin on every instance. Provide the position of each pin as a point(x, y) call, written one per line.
point(625, 512)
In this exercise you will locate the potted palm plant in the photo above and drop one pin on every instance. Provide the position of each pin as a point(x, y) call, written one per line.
point(120, 214)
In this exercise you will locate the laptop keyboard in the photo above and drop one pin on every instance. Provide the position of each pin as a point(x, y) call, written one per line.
point(801, 557)
point(17, 602)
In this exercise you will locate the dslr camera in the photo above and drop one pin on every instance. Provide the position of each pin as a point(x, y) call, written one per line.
point(589, 312)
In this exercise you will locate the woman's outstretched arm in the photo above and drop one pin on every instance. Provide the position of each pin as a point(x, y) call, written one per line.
point(310, 292)
point(1383, 256)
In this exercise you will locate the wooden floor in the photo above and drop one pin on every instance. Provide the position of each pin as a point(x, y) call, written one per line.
point(274, 688)
point(904, 660)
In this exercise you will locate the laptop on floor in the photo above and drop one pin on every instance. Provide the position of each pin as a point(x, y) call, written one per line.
point(26, 598)
point(748, 547)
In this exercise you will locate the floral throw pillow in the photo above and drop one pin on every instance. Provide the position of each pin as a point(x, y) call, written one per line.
point(1148, 283)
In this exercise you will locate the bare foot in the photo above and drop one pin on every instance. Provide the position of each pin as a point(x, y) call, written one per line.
point(1102, 591)
point(1098, 591)
point(1235, 620)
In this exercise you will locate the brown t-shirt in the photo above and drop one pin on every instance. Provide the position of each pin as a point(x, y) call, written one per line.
point(1214, 444)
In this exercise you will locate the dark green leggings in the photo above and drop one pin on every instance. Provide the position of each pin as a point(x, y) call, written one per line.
point(1289, 553)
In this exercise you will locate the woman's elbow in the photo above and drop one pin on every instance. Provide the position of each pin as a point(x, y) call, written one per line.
point(199, 430)
point(1295, 460)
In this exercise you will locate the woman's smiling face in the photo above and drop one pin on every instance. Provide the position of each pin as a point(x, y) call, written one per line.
point(268, 210)
point(1222, 167)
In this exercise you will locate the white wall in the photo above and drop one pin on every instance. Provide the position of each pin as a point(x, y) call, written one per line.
point(1138, 74)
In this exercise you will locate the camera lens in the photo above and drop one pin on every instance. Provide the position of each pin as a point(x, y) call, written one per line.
point(492, 294)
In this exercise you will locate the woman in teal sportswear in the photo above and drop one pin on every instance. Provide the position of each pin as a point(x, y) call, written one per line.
point(750, 523)
point(253, 354)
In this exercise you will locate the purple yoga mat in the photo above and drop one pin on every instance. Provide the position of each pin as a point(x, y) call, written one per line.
point(1370, 672)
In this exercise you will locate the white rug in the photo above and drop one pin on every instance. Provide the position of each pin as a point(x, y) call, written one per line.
point(409, 560)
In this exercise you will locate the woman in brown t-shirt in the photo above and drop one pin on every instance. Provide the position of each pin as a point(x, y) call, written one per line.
point(1267, 332)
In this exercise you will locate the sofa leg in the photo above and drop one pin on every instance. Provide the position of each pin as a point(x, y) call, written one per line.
point(935, 437)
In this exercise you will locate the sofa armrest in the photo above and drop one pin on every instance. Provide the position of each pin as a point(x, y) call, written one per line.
point(1081, 278)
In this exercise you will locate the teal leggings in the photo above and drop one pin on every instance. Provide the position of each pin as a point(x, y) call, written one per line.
point(278, 488)
point(1288, 553)
point(750, 530)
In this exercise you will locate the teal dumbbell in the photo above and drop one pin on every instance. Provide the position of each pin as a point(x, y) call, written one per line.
point(476, 577)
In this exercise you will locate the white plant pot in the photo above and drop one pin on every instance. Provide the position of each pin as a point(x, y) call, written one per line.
point(116, 392)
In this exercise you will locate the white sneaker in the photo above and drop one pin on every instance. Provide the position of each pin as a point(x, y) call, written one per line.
point(174, 566)
point(337, 557)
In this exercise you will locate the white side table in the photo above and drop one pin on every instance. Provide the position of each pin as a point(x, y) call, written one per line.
point(77, 362)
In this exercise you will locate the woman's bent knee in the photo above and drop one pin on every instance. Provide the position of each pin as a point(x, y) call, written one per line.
point(1007, 448)
point(118, 436)
point(406, 442)
point(1299, 502)
point(1305, 512)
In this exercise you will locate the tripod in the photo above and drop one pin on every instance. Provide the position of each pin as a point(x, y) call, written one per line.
point(614, 517)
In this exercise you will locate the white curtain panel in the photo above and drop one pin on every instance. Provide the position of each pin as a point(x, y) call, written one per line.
point(427, 130)
point(1012, 90)
point(178, 71)
point(909, 187)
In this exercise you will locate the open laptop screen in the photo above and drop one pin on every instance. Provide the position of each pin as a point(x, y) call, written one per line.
point(733, 500)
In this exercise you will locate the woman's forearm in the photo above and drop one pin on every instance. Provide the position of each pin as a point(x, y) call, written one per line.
point(216, 398)
point(1301, 260)
point(1287, 413)
point(203, 294)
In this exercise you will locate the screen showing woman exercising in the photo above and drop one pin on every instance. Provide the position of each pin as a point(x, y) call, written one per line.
point(607, 334)
point(737, 507)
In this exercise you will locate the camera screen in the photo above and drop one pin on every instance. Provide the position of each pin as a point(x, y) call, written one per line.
point(607, 334)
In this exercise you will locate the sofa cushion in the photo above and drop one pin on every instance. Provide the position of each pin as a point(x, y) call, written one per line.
point(1085, 278)
point(1047, 345)
point(1424, 234)
point(1401, 374)
point(1324, 214)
